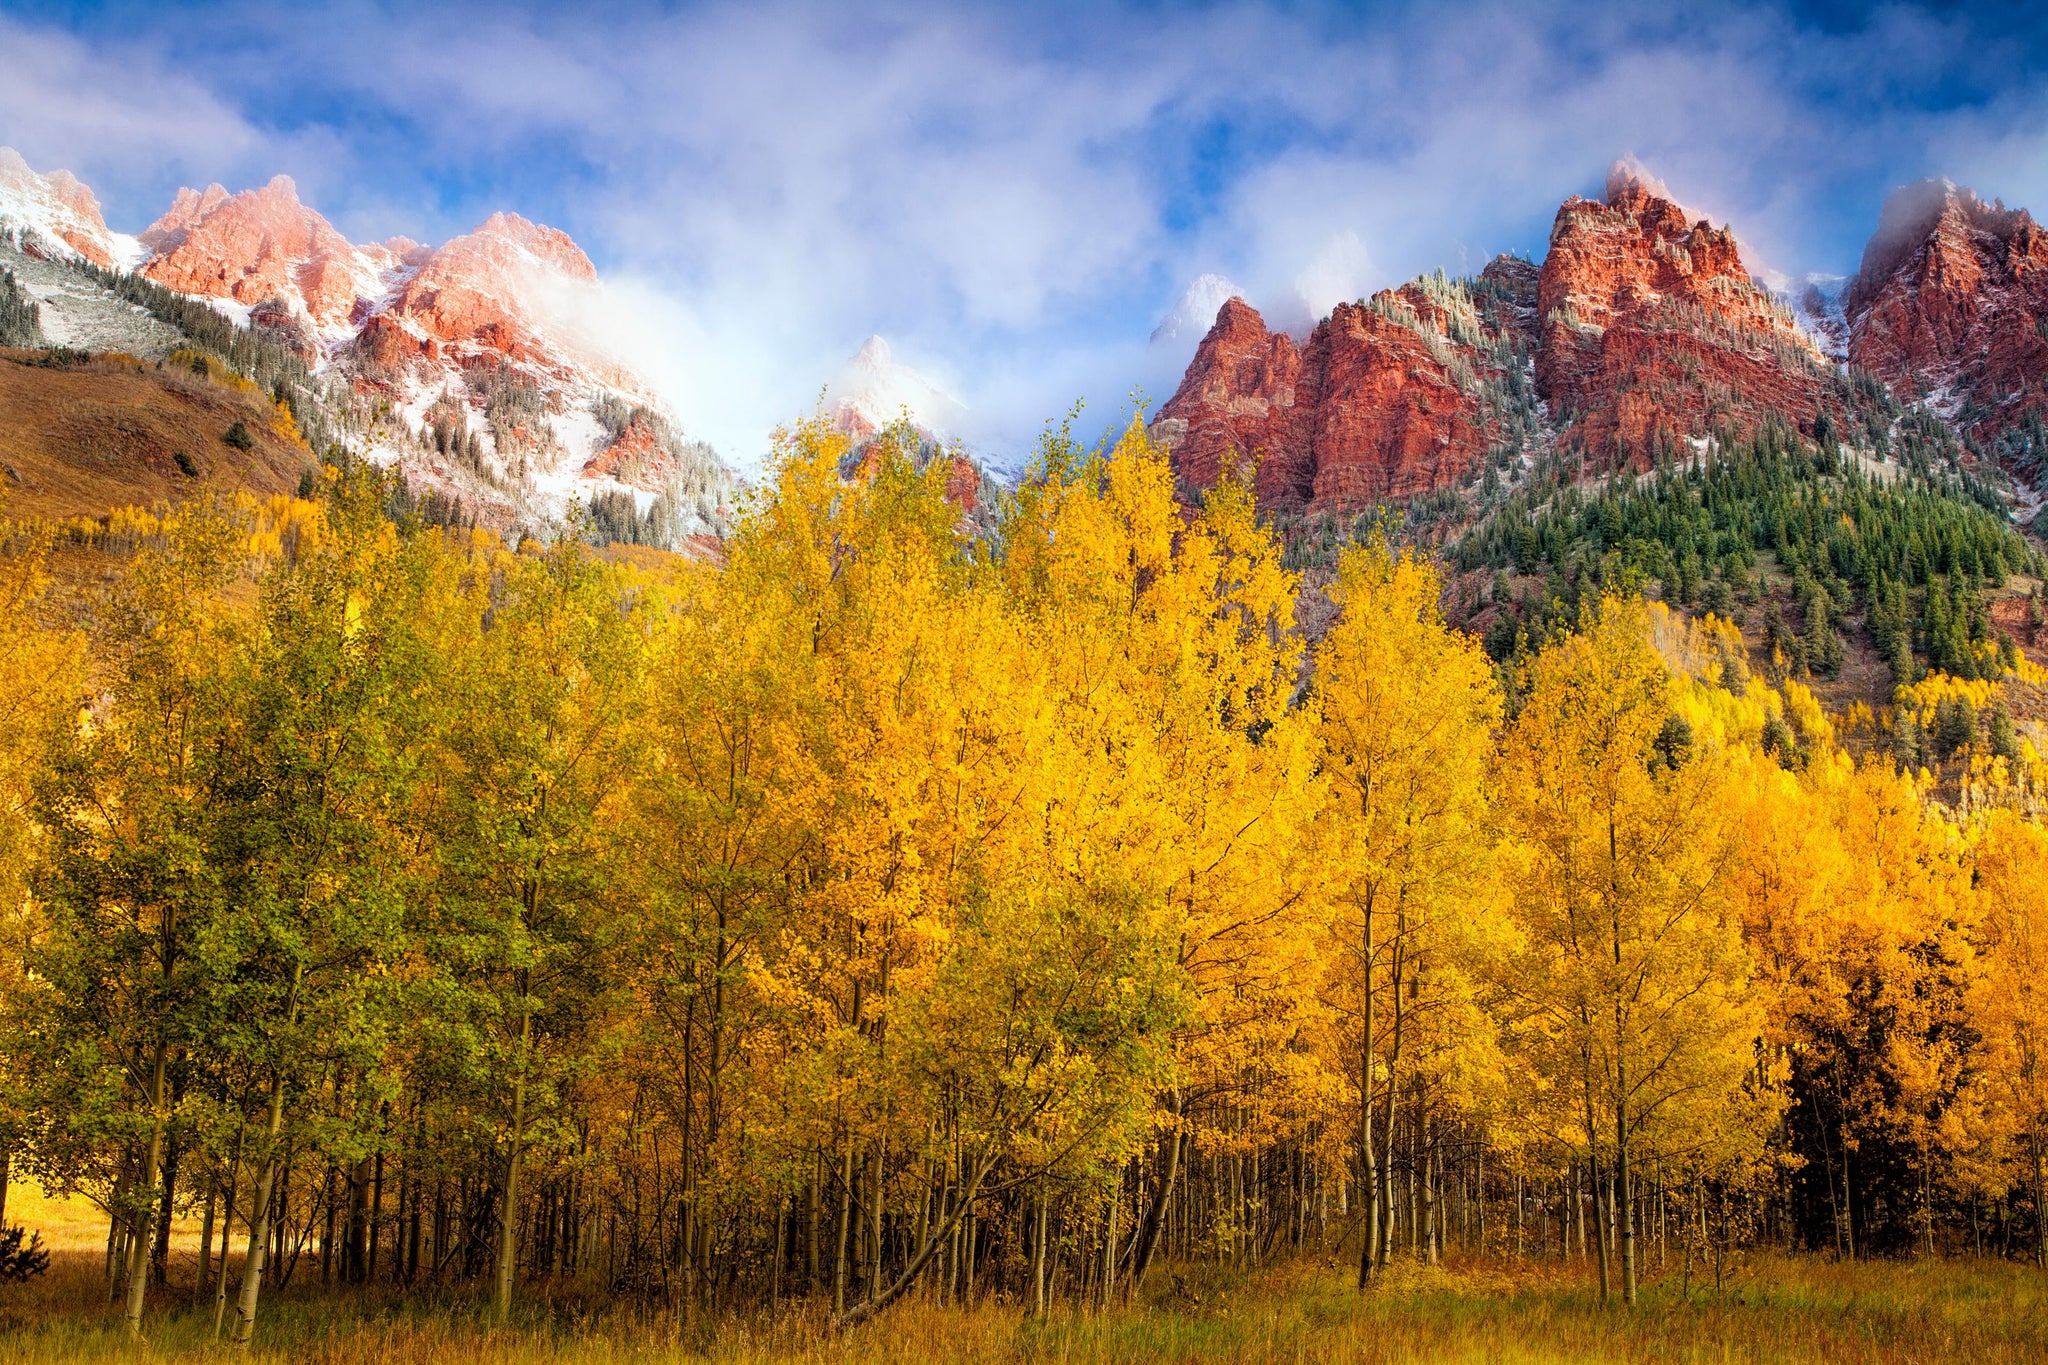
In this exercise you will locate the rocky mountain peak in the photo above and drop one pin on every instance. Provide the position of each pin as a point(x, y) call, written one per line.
point(1390, 397)
point(56, 213)
point(874, 389)
point(256, 246)
point(1950, 303)
point(1652, 329)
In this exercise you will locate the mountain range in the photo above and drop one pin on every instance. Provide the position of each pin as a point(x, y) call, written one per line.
point(470, 366)
point(1642, 334)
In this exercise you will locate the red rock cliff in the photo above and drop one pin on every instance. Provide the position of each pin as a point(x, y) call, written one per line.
point(473, 296)
point(1388, 398)
point(1950, 302)
point(1651, 329)
point(258, 245)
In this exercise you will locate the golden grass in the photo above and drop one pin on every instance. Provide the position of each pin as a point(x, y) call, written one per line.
point(75, 1223)
point(1777, 1310)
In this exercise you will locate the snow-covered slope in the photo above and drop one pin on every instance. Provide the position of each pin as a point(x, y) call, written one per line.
point(57, 218)
point(874, 389)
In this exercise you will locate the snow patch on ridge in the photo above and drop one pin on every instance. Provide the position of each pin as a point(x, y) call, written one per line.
point(874, 389)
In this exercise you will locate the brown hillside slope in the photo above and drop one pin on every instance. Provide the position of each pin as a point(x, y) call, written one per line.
point(85, 438)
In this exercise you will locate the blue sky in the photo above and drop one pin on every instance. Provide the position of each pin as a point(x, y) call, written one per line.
point(1014, 195)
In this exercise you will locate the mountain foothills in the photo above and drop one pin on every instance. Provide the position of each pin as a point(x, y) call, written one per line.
point(1543, 772)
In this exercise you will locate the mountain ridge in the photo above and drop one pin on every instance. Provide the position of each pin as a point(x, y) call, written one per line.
point(447, 362)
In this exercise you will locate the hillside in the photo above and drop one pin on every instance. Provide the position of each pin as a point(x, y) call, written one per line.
point(81, 436)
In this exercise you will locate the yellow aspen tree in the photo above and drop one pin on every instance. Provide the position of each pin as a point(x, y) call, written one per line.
point(2008, 1002)
point(1172, 646)
point(1633, 972)
point(42, 674)
point(1407, 708)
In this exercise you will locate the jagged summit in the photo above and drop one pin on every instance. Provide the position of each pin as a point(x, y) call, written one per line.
point(55, 215)
point(1629, 178)
point(1950, 305)
point(457, 363)
point(1641, 330)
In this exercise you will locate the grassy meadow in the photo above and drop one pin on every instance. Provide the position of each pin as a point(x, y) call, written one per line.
point(1773, 1309)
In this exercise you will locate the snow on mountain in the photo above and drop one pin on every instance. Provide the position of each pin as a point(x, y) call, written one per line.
point(1814, 300)
point(874, 389)
point(1190, 319)
point(459, 365)
point(266, 247)
point(56, 217)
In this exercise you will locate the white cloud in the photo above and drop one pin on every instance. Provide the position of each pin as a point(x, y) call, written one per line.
point(110, 114)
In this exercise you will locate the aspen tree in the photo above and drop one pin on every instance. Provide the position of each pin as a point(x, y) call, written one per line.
point(2008, 1003)
point(1407, 709)
point(538, 767)
point(42, 669)
point(1634, 973)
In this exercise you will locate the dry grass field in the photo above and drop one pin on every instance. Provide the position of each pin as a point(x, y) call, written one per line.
point(79, 439)
point(1774, 1310)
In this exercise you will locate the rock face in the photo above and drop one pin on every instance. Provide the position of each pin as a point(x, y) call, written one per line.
point(54, 214)
point(1643, 326)
point(471, 300)
point(1398, 395)
point(642, 456)
point(258, 246)
point(1652, 330)
point(1950, 304)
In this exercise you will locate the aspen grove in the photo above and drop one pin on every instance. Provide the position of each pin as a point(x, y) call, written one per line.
point(886, 906)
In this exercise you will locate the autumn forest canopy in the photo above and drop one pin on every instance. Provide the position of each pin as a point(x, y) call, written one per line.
point(893, 907)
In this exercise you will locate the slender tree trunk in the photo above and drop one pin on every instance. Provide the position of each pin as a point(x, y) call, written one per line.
point(688, 1260)
point(1385, 1192)
point(1368, 1174)
point(119, 1225)
point(260, 1218)
point(782, 1220)
point(881, 1298)
point(227, 1236)
point(1038, 1255)
point(142, 1216)
point(160, 1253)
point(375, 1223)
point(845, 1229)
point(1162, 1193)
point(2040, 1205)
point(508, 1205)
point(813, 1223)
point(1432, 1170)
point(206, 1241)
point(1848, 1201)
point(1600, 1213)
point(1624, 1199)
point(1109, 1244)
